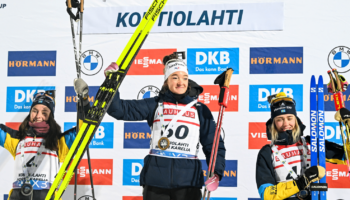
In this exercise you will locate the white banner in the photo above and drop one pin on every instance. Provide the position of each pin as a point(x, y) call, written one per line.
point(187, 18)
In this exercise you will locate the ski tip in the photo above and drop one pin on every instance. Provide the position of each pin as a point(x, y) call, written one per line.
point(320, 79)
point(313, 79)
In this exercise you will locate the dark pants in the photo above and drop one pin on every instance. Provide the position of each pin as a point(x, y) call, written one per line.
point(37, 195)
point(155, 193)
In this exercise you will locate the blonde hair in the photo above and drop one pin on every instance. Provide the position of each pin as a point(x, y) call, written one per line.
point(274, 132)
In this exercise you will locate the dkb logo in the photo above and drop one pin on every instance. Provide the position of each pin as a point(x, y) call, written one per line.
point(131, 171)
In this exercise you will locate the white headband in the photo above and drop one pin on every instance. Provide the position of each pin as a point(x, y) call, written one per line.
point(174, 65)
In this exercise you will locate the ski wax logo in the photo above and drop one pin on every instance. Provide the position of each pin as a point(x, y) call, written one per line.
point(329, 100)
point(257, 135)
point(210, 97)
point(131, 171)
point(103, 138)
point(339, 58)
point(137, 135)
point(13, 125)
point(213, 60)
point(3, 5)
point(258, 96)
point(276, 60)
point(337, 176)
point(91, 62)
point(101, 169)
point(71, 98)
point(229, 178)
point(31, 63)
point(149, 62)
point(20, 99)
point(148, 92)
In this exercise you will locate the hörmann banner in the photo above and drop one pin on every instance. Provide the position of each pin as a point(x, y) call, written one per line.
point(189, 18)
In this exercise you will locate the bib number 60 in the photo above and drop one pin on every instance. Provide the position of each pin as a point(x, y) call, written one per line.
point(179, 129)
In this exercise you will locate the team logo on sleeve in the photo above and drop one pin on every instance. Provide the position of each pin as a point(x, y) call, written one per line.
point(339, 58)
point(91, 62)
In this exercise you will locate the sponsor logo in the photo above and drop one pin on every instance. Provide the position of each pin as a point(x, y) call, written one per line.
point(101, 169)
point(131, 171)
point(20, 99)
point(210, 98)
point(13, 125)
point(148, 92)
point(258, 96)
point(276, 60)
point(333, 133)
point(137, 135)
point(91, 62)
point(257, 135)
point(329, 99)
point(337, 176)
point(132, 198)
point(213, 60)
point(339, 58)
point(181, 18)
point(149, 62)
point(6, 196)
point(31, 63)
point(230, 174)
point(3, 5)
point(103, 138)
point(71, 98)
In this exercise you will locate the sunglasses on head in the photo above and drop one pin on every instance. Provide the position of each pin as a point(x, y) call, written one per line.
point(278, 101)
point(48, 96)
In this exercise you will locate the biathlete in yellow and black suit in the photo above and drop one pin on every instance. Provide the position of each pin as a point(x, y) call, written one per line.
point(39, 146)
point(289, 149)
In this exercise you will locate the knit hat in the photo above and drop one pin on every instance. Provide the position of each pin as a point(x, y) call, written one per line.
point(174, 65)
point(46, 98)
point(280, 104)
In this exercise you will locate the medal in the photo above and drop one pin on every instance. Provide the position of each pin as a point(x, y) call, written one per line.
point(26, 189)
point(163, 143)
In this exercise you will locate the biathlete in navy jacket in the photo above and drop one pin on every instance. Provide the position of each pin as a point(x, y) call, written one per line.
point(39, 146)
point(179, 123)
point(283, 168)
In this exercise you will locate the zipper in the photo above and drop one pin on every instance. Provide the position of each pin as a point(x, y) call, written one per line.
point(172, 164)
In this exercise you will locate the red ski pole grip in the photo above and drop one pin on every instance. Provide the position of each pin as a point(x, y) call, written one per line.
point(224, 96)
point(338, 101)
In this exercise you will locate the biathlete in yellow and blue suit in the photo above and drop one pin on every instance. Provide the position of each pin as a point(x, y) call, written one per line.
point(289, 149)
point(39, 146)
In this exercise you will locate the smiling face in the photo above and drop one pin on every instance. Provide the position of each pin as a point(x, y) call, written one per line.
point(39, 113)
point(284, 122)
point(178, 82)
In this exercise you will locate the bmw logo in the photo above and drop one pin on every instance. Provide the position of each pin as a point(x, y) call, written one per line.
point(91, 62)
point(339, 58)
point(148, 92)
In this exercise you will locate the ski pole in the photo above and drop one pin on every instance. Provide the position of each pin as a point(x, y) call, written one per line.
point(75, 18)
point(223, 102)
point(341, 105)
point(80, 34)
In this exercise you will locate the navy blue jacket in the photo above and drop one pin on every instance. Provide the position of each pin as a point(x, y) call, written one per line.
point(169, 172)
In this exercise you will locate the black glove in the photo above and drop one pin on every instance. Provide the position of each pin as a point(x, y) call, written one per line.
point(312, 174)
point(221, 78)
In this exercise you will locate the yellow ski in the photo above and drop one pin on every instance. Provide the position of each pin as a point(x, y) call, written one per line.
point(103, 99)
